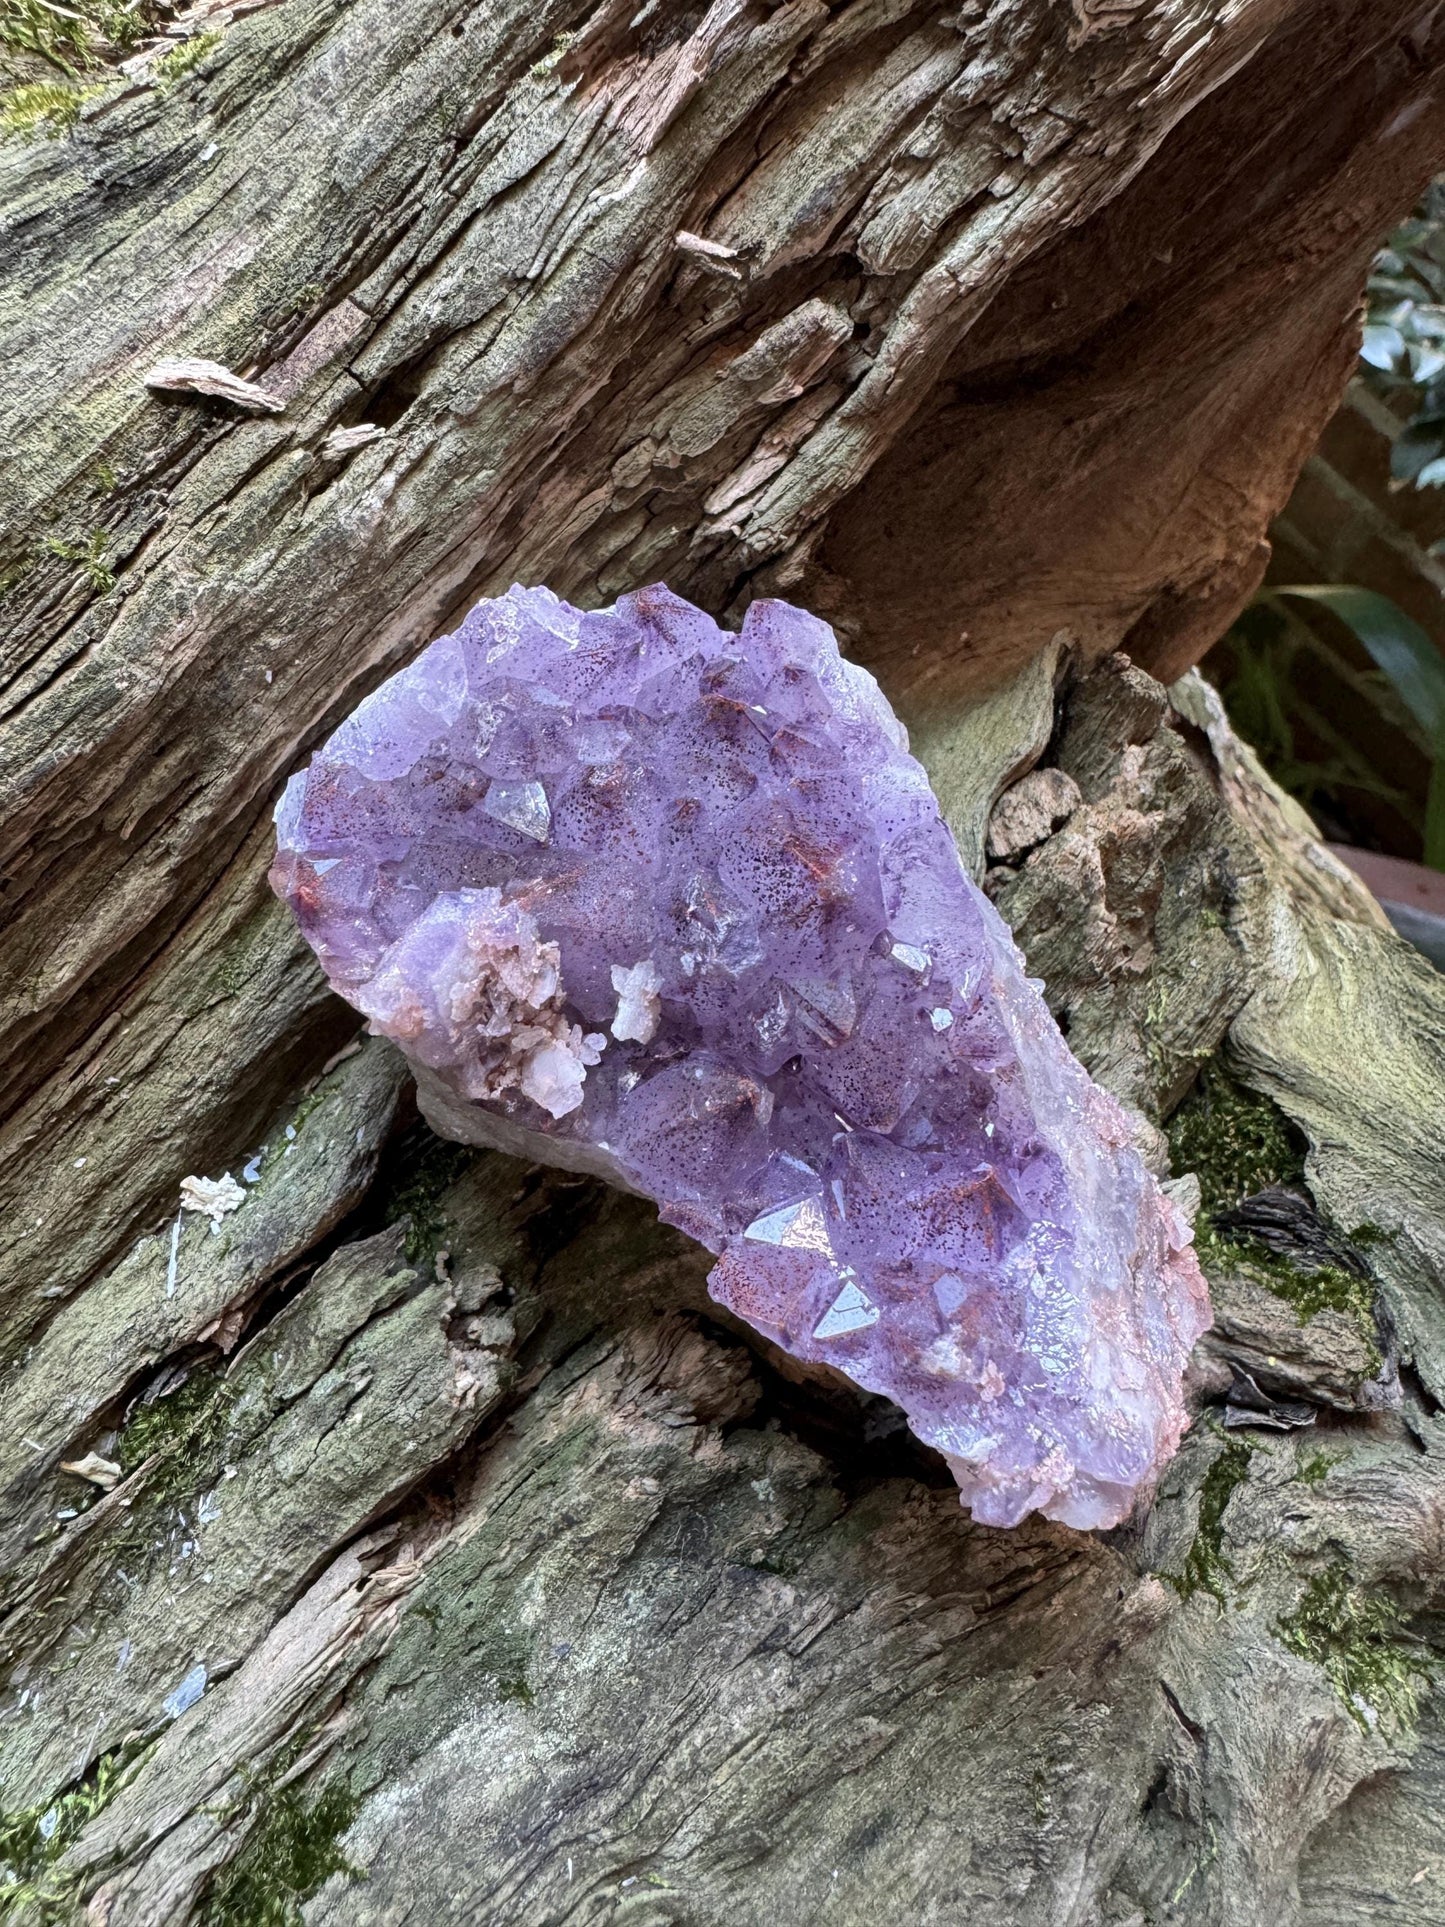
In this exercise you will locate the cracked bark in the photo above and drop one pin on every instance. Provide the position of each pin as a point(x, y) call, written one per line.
point(994, 332)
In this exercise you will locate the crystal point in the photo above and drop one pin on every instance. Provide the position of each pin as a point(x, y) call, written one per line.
point(644, 898)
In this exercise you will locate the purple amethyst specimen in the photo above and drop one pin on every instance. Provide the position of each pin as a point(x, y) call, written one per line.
point(641, 897)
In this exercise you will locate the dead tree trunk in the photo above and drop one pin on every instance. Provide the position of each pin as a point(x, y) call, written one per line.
point(455, 1539)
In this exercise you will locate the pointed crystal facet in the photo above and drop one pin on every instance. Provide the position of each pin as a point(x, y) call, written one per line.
point(851, 1311)
point(522, 806)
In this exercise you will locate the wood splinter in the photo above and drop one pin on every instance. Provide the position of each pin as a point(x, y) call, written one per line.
point(185, 375)
point(712, 255)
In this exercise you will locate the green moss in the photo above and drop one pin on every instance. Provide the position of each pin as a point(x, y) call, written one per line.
point(1168, 1059)
point(1330, 1288)
point(90, 554)
point(1358, 1638)
point(30, 27)
point(508, 1654)
point(45, 49)
point(1236, 1142)
point(426, 1168)
point(185, 58)
point(1326, 1288)
point(1205, 1566)
point(33, 1839)
point(78, 35)
point(185, 1431)
point(240, 961)
point(294, 1848)
point(307, 1105)
point(1239, 1143)
point(1317, 1467)
point(47, 108)
point(14, 574)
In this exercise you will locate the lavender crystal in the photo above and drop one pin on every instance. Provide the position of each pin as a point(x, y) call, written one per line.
point(641, 897)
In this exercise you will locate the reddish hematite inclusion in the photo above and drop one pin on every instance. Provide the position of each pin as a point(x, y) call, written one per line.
point(643, 897)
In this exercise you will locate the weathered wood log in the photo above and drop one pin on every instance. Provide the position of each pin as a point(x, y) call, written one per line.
point(494, 1564)
point(429, 1520)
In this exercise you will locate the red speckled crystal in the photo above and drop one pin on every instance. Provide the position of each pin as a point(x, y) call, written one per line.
point(641, 897)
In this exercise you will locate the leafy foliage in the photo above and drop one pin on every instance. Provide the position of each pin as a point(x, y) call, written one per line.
point(1279, 635)
point(1404, 340)
point(1413, 666)
point(1403, 356)
point(1272, 656)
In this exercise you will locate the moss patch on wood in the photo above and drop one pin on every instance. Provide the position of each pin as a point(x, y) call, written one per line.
point(45, 50)
point(185, 1431)
point(1359, 1638)
point(90, 554)
point(185, 58)
point(1238, 1144)
point(43, 108)
point(32, 1840)
point(294, 1848)
point(1325, 1288)
point(75, 36)
point(425, 1166)
point(1317, 1467)
point(1206, 1566)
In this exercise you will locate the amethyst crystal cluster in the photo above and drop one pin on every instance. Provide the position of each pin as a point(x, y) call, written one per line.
point(644, 898)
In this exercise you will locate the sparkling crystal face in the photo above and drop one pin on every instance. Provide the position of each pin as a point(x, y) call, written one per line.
point(641, 896)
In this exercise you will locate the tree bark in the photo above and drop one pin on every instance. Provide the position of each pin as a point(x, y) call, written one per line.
point(457, 1538)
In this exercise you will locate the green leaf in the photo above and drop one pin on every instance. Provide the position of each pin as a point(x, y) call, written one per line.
point(1400, 647)
point(1382, 346)
point(1429, 270)
point(1396, 643)
point(1414, 448)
